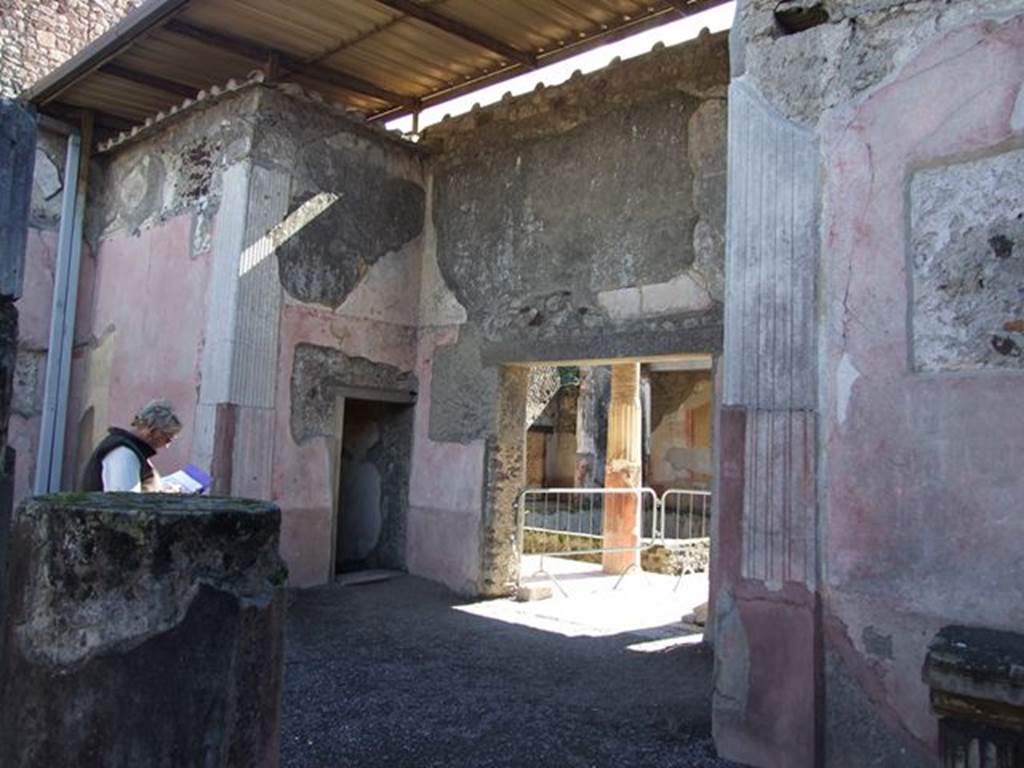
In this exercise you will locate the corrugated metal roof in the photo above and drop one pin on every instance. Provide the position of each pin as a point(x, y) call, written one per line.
point(380, 57)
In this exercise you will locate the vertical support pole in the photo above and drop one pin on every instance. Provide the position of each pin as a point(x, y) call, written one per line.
point(50, 463)
point(623, 469)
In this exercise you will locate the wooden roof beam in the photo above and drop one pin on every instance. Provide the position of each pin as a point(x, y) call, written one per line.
point(464, 31)
point(287, 65)
point(73, 114)
point(151, 81)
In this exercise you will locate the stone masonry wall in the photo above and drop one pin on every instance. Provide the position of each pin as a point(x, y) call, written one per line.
point(37, 36)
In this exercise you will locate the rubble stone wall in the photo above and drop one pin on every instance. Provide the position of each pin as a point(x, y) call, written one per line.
point(37, 36)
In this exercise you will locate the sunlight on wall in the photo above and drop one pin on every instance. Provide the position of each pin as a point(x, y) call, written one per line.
point(715, 19)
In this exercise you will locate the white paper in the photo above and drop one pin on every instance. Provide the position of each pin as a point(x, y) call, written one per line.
point(183, 481)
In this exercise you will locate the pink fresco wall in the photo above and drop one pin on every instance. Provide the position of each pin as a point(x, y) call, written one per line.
point(142, 316)
point(304, 477)
point(922, 512)
point(446, 490)
point(33, 333)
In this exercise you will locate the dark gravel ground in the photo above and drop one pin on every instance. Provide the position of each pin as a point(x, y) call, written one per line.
point(388, 674)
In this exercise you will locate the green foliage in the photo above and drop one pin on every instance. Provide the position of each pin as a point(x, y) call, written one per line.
point(569, 375)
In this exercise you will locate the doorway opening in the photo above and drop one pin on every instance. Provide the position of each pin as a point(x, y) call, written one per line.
point(602, 502)
point(373, 485)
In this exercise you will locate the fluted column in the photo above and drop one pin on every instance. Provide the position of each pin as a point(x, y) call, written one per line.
point(623, 467)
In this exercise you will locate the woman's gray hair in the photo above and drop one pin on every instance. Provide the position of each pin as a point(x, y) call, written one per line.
point(158, 415)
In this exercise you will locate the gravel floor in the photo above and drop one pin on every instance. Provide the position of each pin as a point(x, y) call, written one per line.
point(388, 674)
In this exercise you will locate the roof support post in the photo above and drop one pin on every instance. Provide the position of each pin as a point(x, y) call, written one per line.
point(50, 459)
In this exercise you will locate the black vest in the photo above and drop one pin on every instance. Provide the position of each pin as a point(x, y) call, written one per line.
point(92, 478)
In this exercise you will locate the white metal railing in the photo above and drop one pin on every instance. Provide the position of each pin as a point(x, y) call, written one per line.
point(684, 514)
point(573, 521)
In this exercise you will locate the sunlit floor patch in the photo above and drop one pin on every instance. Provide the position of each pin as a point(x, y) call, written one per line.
point(666, 644)
point(645, 607)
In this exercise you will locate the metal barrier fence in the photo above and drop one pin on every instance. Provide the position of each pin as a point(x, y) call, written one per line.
point(685, 514)
point(572, 521)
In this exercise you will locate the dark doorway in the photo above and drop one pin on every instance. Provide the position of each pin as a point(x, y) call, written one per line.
point(373, 486)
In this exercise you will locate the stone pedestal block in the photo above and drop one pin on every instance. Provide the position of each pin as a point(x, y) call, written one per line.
point(142, 630)
point(976, 677)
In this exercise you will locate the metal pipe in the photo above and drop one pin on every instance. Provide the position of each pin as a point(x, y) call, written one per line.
point(50, 457)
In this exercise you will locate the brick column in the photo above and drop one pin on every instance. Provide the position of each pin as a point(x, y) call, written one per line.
point(623, 468)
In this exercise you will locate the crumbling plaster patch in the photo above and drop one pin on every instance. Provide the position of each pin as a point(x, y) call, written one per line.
point(176, 170)
point(863, 45)
point(370, 213)
point(318, 378)
point(463, 391)
point(356, 197)
point(967, 264)
point(553, 221)
point(47, 181)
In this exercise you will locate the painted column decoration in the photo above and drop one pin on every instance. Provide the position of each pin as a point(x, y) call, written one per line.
point(766, 489)
point(770, 354)
point(234, 419)
point(623, 469)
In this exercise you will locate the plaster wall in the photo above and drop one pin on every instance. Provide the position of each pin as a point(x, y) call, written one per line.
point(288, 256)
point(915, 110)
point(681, 410)
point(34, 308)
point(347, 260)
point(144, 290)
point(578, 222)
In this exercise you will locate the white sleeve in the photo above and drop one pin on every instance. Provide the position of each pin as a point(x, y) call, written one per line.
point(121, 471)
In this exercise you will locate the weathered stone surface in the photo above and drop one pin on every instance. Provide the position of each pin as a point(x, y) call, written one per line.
point(587, 219)
point(463, 392)
point(17, 157)
point(142, 630)
point(319, 376)
point(576, 228)
point(366, 213)
point(979, 663)
point(8, 358)
point(967, 241)
point(504, 477)
point(976, 676)
point(863, 43)
point(37, 37)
